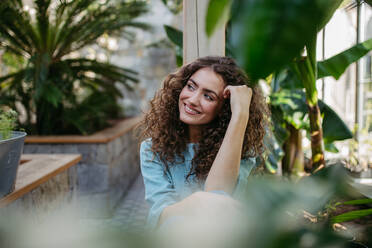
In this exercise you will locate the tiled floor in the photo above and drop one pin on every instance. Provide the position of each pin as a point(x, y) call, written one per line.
point(129, 215)
point(131, 212)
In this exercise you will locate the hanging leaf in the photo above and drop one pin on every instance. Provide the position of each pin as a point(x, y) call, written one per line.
point(330, 147)
point(268, 34)
point(334, 128)
point(336, 65)
point(174, 35)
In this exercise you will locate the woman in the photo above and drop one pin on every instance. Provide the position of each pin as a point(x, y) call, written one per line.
point(200, 137)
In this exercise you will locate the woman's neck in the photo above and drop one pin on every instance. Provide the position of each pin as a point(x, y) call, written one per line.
point(194, 134)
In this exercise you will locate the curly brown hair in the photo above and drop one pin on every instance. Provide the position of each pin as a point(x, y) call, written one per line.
point(170, 136)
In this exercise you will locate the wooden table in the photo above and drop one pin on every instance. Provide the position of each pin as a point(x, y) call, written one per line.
point(36, 169)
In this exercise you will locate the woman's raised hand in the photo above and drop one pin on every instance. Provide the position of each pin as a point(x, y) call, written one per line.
point(240, 100)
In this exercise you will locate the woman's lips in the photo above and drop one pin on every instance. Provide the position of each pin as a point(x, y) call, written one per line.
point(190, 110)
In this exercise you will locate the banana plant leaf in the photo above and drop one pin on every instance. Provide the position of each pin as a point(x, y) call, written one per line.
point(330, 147)
point(369, 2)
point(286, 79)
point(336, 65)
point(293, 105)
point(334, 128)
point(268, 34)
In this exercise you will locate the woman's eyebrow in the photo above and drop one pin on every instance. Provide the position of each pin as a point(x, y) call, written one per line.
point(207, 90)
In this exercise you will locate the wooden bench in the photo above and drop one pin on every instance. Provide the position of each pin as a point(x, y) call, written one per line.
point(36, 169)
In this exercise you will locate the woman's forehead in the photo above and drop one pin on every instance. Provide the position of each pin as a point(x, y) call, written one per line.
point(207, 78)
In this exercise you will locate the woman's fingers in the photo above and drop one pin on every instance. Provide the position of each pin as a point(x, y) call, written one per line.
point(240, 98)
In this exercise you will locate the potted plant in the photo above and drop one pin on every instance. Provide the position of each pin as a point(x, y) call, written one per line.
point(11, 146)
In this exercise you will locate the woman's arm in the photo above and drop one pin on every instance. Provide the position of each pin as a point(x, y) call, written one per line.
point(225, 168)
point(201, 205)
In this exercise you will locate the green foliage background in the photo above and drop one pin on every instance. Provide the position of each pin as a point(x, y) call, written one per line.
point(64, 94)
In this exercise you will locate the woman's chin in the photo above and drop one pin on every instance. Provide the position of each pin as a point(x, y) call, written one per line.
point(189, 120)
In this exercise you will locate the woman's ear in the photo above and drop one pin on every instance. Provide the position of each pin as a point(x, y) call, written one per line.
point(226, 92)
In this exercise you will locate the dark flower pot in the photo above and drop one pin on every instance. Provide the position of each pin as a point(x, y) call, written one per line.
point(10, 154)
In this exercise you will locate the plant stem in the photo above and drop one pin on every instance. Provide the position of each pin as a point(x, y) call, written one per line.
point(316, 131)
point(293, 160)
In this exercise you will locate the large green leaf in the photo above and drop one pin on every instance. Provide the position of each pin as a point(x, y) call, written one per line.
point(293, 105)
point(334, 128)
point(175, 35)
point(369, 2)
point(286, 79)
point(337, 64)
point(217, 15)
point(268, 34)
point(295, 111)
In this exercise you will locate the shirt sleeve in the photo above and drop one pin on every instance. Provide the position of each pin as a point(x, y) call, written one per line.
point(159, 188)
point(246, 166)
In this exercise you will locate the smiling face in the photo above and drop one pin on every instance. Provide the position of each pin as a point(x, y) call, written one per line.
point(201, 99)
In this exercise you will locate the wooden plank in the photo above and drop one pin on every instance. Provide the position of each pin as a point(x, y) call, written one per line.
point(39, 169)
point(214, 45)
point(195, 41)
point(190, 33)
point(103, 136)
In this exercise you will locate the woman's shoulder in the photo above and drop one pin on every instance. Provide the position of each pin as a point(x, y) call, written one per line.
point(146, 145)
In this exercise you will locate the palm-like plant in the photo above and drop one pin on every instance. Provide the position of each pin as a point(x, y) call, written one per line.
point(65, 93)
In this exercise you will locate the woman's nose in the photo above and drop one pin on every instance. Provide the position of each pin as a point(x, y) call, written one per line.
point(194, 99)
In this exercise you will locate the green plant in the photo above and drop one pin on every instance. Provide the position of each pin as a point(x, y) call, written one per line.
point(175, 6)
point(8, 119)
point(264, 48)
point(355, 214)
point(176, 37)
point(67, 92)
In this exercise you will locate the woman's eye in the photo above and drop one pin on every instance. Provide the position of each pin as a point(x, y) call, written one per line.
point(189, 86)
point(208, 97)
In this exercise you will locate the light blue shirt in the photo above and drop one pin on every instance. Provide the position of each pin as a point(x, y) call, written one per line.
point(166, 188)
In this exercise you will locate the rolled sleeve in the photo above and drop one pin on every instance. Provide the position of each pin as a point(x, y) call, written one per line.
point(159, 189)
